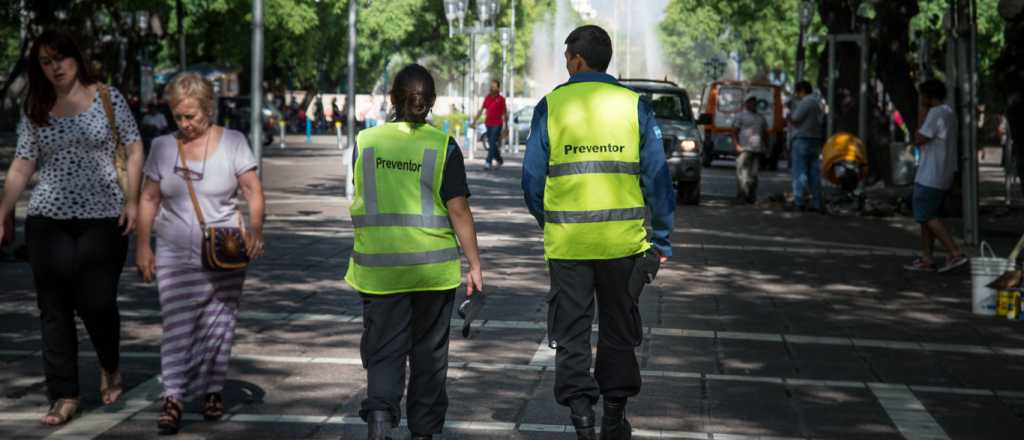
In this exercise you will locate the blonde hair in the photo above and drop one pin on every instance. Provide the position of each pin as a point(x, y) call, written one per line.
point(192, 85)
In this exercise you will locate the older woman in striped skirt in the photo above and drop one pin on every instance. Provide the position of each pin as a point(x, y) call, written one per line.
point(198, 306)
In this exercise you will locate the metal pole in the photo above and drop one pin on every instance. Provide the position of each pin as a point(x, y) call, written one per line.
point(831, 85)
point(471, 131)
point(180, 11)
point(862, 103)
point(256, 110)
point(23, 19)
point(350, 98)
point(969, 79)
point(629, 30)
point(800, 55)
point(514, 134)
point(504, 83)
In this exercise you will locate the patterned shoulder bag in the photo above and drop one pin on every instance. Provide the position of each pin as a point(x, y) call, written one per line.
point(223, 247)
point(120, 152)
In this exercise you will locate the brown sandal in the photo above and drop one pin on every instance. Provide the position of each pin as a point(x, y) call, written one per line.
point(213, 407)
point(60, 412)
point(110, 386)
point(170, 418)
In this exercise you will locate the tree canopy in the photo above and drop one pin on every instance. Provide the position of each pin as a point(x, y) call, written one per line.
point(306, 41)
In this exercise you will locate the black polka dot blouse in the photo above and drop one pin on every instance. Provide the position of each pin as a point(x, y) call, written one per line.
point(75, 161)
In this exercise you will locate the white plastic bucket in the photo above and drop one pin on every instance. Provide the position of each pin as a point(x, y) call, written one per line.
point(984, 270)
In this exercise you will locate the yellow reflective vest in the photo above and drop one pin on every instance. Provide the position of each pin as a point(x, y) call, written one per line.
point(404, 241)
point(593, 204)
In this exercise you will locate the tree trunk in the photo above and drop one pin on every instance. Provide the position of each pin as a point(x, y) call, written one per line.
point(891, 48)
point(1011, 66)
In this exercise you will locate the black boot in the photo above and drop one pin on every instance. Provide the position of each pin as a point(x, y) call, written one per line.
point(378, 425)
point(614, 425)
point(583, 419)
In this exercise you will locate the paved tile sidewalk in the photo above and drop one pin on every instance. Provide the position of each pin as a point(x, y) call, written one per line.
point(764, 325)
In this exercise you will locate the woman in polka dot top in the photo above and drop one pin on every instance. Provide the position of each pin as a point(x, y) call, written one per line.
point(79, 218)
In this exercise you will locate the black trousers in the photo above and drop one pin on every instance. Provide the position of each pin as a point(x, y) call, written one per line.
point(410, 326)
point(620, 331)
point(76, 265)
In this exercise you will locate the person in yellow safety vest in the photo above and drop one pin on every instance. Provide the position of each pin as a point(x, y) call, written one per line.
point(594, 164)
point(410, 205)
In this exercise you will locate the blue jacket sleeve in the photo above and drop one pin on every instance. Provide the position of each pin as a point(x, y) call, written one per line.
point(656, 181)
point(535, 162)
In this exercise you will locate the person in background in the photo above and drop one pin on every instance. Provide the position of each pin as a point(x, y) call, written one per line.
point(808, 139)
point(595, 162)
point(494, 106)
point(751, 140)
point(411, 215)
point(936, 138)
point(79, 218)
point(153, 124)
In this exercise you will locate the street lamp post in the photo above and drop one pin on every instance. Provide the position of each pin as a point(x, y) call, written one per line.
point(145, 70)
point(487, 12)
point(713, 68)
point(350, 101)
point(505, 38)
point(806, 15)
point(256, 86)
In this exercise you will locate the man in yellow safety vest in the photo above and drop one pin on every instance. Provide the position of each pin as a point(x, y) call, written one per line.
point(594, 164)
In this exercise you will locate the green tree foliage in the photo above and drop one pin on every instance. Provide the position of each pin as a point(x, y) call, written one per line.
point(696, 30)
point(306, 41)
point(991, 37)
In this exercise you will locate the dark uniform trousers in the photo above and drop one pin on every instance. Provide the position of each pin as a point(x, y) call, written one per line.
point(410, 326)
point(620, 331)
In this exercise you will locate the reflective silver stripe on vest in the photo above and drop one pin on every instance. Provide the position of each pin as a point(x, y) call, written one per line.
point(405, 259)
point(594, 167)
point(373, 217)
point(606, 215)
point(412, 220)
point(427, 182)
point(370, 181)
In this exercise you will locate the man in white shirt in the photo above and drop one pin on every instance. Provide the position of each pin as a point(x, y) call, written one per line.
point(936, 138)
point(751, 137)
point(153, 124)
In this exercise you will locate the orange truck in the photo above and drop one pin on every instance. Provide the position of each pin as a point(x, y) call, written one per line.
point(723, 101)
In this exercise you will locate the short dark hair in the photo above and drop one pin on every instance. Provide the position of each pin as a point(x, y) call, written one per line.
point(41, 95)
point(496, 82)
point(934, 89)
point(413, 94)
point(804, 86)
point(592, 44)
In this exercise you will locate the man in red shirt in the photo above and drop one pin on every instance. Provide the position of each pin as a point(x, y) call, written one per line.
point(494, 105)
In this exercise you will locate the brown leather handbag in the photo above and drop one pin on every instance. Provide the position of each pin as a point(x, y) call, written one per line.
point(223, 246)
point(120, 152)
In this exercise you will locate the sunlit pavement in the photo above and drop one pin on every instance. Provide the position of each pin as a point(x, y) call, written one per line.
point(764, 325)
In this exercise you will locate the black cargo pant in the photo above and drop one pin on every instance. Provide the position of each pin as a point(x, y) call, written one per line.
point(620, 331)
point(413, 326)
point(76, 265)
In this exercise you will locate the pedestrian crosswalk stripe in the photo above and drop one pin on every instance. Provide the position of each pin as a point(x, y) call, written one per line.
point(907, 413)
point(484, 325)
point(453, 425)
point(491, 366)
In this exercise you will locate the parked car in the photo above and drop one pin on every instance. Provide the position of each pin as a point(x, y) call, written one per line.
point(723, 101)
point(521, 120)
point(681, 137)
point(233, 112)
